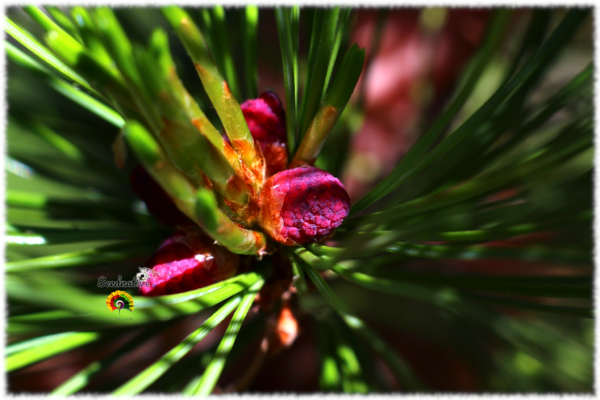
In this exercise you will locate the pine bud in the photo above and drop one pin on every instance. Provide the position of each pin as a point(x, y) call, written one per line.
point(186, 261)
point(302, 205)
point(285, 331)
point(266, 119)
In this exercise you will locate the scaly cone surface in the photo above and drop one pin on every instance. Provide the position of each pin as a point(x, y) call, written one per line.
point(302, 205)
point(186, 261)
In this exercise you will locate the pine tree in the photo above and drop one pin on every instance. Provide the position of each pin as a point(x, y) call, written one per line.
point(502, 176)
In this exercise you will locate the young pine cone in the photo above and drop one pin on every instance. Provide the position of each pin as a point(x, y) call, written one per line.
point(188, 260)
point(266, 119)
point(302, 205)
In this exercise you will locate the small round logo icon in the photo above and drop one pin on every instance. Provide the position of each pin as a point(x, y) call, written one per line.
point(143, 275)
point(119, 300)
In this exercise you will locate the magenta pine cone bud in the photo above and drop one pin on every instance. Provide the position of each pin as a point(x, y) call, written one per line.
point(266, 119)
point(156, 199)
point(302, 205)
point(186, 261)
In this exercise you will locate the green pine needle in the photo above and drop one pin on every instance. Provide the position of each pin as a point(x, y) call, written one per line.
point(35, 350)
point(148, 376)
point(212, 372)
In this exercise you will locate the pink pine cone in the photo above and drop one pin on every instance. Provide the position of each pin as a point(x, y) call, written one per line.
point(186, 261)
point(302, 205)
point(266, 119)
